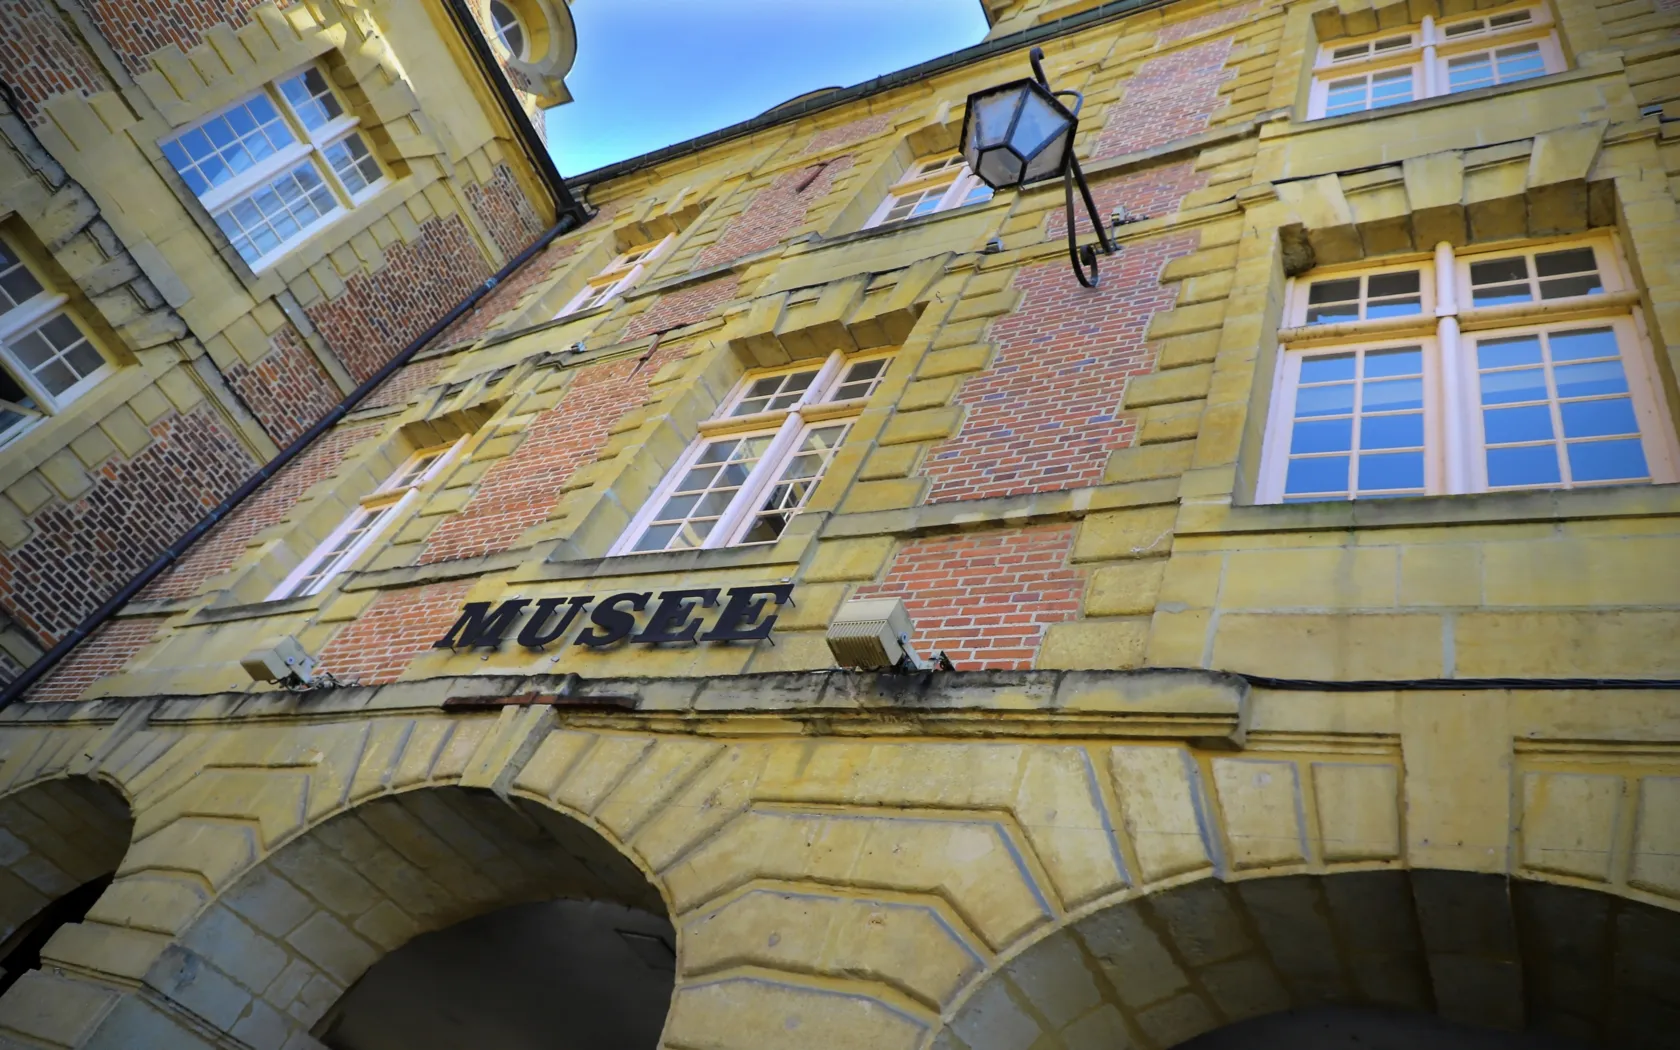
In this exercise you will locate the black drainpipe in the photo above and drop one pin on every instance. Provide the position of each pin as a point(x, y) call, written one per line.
point(571, 215)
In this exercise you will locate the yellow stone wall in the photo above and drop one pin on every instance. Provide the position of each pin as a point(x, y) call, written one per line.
point(852, 860)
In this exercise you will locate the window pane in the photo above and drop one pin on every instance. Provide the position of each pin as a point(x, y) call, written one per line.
point(793, 487)
point(1393, 295)
point(1346, 96)
point(1320, 474)
point(229, 143)
point(1598, 377)
point(1400, 431)
point(1406, 361)
point(860, 380)
point(1473, 71)
point(1391, 470)
point(1608, 461)
point(1598, 418)
point(17, 284)
point(1342, 54)
point(775, 392)
point(1324, 400)
point(57, 354)
point(688, 514)
point(352, 162)
point(1524, 465)
point(1392, 394)
point(1327, 368)
point(1388, 89)
point(1523, 384)
point(311, 99)
point(1333, 301)
point(1519, 63)
point(1584, 344)
point(1322, 435)
point(260, 223)
point(1524, 423)
point(1503, 353)
point(1497, 281)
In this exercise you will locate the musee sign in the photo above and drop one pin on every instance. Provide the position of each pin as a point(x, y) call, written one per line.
point(673, 616)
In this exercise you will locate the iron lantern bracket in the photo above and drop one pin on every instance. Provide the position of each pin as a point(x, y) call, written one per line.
point(1082, 257)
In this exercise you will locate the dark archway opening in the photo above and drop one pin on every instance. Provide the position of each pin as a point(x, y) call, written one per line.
point(554, 975)
point(1353, 1028)
point(21, 952)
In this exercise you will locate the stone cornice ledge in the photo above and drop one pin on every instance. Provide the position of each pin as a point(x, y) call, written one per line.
point(1208, 708)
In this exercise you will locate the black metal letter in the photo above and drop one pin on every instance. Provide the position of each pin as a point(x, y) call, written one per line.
point(478, 628)
point(534, 637)
point(735, 623)
point(615, 623)
point(670, 620)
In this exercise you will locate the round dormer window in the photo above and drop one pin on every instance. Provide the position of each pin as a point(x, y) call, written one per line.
point(509, 29)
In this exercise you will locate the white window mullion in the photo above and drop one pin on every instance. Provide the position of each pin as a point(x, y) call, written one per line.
point(1431, 75)
point(769, 465)
point(258, 176)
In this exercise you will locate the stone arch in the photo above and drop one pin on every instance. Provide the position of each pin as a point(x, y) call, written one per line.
point(1484, 951)
point(270, 956)
point(61, 840)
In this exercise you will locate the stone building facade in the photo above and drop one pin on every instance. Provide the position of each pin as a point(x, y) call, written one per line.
point(1310, 585)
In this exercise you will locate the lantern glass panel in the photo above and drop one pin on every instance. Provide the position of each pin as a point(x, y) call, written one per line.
point(1051, 158)
point(1000, 167)
point(994, 115)
point(1041, 121)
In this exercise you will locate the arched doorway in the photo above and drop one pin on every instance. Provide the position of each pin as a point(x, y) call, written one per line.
point(441, 918)
point(60, 842)
point(1288, 960)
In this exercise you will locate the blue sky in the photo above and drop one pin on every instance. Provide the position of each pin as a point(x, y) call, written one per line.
point(653, 72)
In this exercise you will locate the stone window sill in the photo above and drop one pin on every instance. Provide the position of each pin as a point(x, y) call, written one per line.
point(1483, 508)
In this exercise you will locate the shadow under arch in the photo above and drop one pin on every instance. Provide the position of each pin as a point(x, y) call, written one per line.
point(1206, 959)
point(397, 881)
point(61, 840)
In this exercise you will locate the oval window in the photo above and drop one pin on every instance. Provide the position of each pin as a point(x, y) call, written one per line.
point(509, 30)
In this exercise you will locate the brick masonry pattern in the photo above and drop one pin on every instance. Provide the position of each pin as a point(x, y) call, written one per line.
point(508, 294)
point(112, 646)
point(1150, 193)
point(397, 627)
point(1045, 415)
point(506, 212)
point(1202, 23)
point(82, 550)
point(380, 312)
point(136, 28)
point(985, 599)
point(855, 131)
point(773, 212)
point(41, 59)
point(286, 389)
point(215, 553)
point(684, 306)
point(1169, 97)
point(523, 487)
point(400, 387)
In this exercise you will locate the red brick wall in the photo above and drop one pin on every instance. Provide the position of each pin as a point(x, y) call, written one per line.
point(39, 58)
point(112, 646)
point(855, 131)
point(1046, 414)
point(1151, 193)
point(398, 626)
point(1169, 97)
point(506, 211)
point(215, 553)
point(985, 598)
point(1202, 23)
point(286, 389)
point(380, 313)
point(506, 295)
point(136, 28)
point(82, 551)
point(684, 306)
point(400, 387)
point(774, 212)
point(522, 488)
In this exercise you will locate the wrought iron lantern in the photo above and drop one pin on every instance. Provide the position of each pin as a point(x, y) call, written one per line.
point(1020, 133)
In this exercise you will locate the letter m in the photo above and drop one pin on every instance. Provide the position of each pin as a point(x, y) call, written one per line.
point(479, 628)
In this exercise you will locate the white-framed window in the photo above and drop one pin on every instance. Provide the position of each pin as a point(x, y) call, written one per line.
point(372, 517)
point(276, 164)
point(617, 277)
point(504, 20)
point(1434, 57)
point(46, 360)
point(931, 185)
point(1458, 374)
point(758, 459)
